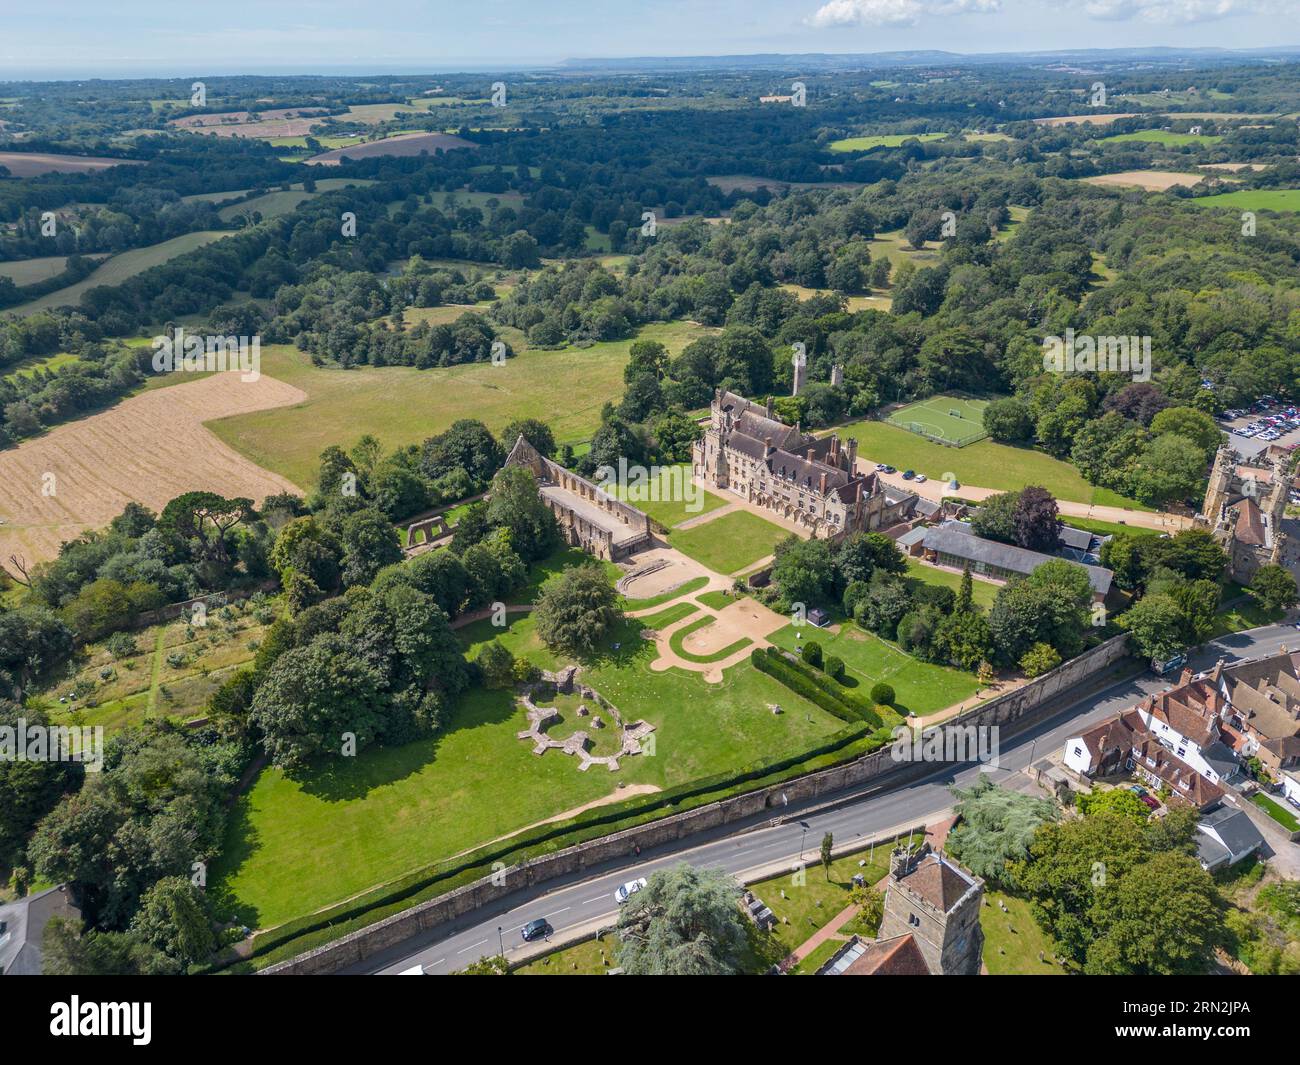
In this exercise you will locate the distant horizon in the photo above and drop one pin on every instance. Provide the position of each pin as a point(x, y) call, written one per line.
point(575, 64)
point(78, 39)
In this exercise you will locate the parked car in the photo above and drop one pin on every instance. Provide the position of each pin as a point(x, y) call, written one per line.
point(880, 467)
point(890, 469)
point(1150, 802)
point(626, 891)
point(921, 478)
point(908, 474)
point(538, 929)
point(1138, 790)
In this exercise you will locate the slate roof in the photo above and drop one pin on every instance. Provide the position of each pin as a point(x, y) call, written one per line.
point(25, 921)
point(957, 538)
point(1233, 827)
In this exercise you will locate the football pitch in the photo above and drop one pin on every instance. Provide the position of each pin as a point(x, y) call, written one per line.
point(953, 420)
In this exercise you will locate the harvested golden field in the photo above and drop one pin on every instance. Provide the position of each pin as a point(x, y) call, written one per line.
point(1084, 120)
point(1150, 180)
point(150, 449)
point(279, 122)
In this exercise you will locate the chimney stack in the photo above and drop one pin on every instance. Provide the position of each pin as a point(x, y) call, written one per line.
point(811, 452)
point(770, 407)
point(767, 446)
point(853, 455)
point(823, 484)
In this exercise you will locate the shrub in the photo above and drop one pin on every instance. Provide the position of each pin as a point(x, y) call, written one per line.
point(1039, 659)
point(525, 672)
point(834, 667)
point(882, 694)
point(122, 645)
point(497, 665)
point(811, 652)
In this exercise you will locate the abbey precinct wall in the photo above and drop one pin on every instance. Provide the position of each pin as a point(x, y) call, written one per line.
point(1012, 711)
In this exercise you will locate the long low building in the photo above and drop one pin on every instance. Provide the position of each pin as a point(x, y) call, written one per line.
point(954, 544)
point(589, 517)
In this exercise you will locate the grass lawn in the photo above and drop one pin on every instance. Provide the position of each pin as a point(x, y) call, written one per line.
point(920, 688)
point(1253, 200)
point(888, 140)
point(982, 592)
point(665, 496)
point(272, 205)
point(1162, 136)
point(594, 957)
point(295, 845)
point(716, 600)
point(934, 418)
point(810, 905)
point(667, 616)
point(729, 543)
point(1013, 939)
point(985, 464)
point(401, 405)
point(24, 272)
point(1248, 613)
point(122, 267)
point(27, 367)
point(1277, 812)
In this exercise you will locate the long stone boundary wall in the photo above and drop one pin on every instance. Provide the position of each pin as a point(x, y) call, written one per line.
point(1013, 710)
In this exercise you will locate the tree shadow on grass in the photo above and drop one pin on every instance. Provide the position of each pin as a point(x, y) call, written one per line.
point(239, 844)
point(345, 779)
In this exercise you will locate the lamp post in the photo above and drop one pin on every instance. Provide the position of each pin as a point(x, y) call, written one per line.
point(501, 946)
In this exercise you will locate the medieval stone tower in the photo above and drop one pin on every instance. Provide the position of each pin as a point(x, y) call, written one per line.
point(937, 902)
point(800, 361)
point(1244, 508)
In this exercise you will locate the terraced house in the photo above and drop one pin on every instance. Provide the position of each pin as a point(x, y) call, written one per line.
point(811, 481)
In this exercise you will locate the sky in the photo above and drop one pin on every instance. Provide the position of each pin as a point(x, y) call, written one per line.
point(143, 38)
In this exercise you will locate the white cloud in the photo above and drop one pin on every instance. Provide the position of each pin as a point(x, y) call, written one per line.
point(1173, 12)
point(894, 12)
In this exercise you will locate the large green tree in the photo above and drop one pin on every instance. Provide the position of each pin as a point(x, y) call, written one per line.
point(684, 922)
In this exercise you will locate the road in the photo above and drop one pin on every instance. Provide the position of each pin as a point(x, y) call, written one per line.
point(585, 902)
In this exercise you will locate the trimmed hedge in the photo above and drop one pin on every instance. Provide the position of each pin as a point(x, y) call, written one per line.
point(834, 668)
point(812, 685)
point(296, 936)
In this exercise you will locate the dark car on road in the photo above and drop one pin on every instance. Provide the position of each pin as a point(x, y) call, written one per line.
point(538, 929)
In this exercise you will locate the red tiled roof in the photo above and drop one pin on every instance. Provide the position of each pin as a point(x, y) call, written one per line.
point(899, 956)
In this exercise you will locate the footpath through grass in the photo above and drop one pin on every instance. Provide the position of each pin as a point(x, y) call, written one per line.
point(295, 845)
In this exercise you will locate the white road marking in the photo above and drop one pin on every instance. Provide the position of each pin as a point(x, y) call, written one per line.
point(472, 946)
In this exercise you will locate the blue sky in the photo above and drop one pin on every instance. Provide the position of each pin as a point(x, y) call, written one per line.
point(150, 37)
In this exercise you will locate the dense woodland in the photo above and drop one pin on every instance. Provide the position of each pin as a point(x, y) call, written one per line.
point(362, 641)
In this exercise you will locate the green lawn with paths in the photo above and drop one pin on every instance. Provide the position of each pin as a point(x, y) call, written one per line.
point(730, 543)
point(296, 845)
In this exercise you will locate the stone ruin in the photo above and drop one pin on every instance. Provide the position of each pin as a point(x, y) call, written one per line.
point(541, 718)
